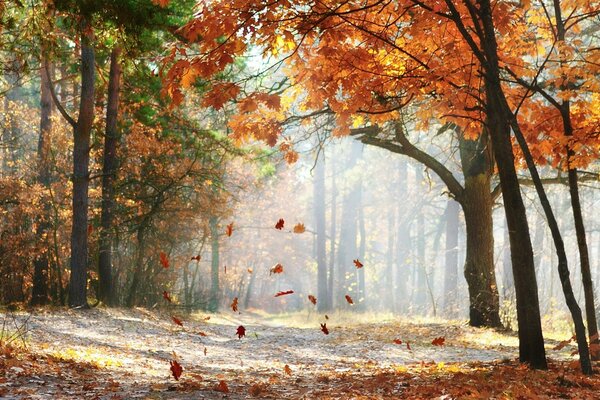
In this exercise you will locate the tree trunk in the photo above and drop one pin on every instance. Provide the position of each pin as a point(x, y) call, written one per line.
point(451, 259)
point(319, 201)
point(41, 264)
point(213, 304)
point(109, 168)
point(81, 157)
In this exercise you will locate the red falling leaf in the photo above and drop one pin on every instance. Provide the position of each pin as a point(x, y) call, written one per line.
point(312, 299)
point(164, 260)
point(229, 229)
point(222, 387)
point(241, 331)
point(196, 258)
point(284, 293)
point(177, 321)
point(349, 299)
point(278, 269)
point(324, 328)
point(176, 369)
point(397, 341)
point(166, 296)
point(358, 264)
point(438, 341)
point(234, 304)
point(279, 224)
point(408, 346)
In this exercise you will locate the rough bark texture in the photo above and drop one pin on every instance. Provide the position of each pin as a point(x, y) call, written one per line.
point(41, 263)
point(109, 167)
point(81, 157)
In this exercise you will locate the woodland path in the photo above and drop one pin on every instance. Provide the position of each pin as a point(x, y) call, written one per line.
point(119, 354)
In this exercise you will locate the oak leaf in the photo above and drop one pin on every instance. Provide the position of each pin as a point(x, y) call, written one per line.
point(279, 224)
point(299, 228)
point(241, 331)
point(163, 259)
point(278, 269)
point(176, 369)
point(438, 341)
point(358, 264)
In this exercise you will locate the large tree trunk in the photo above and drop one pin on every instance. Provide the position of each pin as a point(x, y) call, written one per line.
point(81, 157)
point(41, 263)
point(451, 259)
point(319, 201)
point(477, 205)
point(109, 167)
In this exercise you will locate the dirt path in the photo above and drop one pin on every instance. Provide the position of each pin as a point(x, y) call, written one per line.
point(121, 354)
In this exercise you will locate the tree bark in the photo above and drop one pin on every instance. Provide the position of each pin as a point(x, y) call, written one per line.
point(109, 169)
point(41, 263)
point(81, 157)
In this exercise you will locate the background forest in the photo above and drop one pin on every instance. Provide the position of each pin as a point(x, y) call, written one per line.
point(414, 159)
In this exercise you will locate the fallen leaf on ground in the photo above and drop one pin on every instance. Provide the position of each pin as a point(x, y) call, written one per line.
point(176, 369)
point(177, 321)
point(222, 387)
point(438, 341)
point(241, 331)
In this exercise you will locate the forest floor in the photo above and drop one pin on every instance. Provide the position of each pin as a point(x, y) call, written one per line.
point(126, 354)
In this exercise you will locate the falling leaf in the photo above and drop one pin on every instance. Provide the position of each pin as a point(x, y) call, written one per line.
point(312, 299)
point(397, 341)
point(299, 228)
point(176, 369)
point(222, 387)
point(562, 344)
point(326, 316)
point(250, 270)
point(438, 341)
point(234, 304)
point(177, 321)
point(164, 260)
point(358, 264)
point(278, 269)
point(206, 318)
point(284, 293)
point(279, 224)
point(225, 269)
point(202, 333)
point(166, 296)
point(241, 331)
point(349, 299)
point(324, 328)
point(205, 351)
point(229, 229)
point(196, 258)
point(287, 370)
